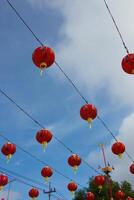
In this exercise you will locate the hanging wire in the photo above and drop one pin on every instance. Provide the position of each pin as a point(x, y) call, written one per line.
point(41, 126)
point(71, 82)
point(116, 26)
point(12, 174)
point(38, 160)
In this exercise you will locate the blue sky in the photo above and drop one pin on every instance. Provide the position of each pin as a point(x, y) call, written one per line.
point(89, 50)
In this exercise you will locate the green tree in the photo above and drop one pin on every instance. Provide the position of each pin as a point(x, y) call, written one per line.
point(103, 194)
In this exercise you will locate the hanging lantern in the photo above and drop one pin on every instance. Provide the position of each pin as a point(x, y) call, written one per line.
point(8, 150)
point(132, 168)
point(118, 148)
point(128, 63)
point(90, 196)
point(99, 181)
point(88, 112)
point(44, 137)
point(46, 172)
point(3, 181)
point(33, 193)
point(74, 161)
point(72, 187)
point(119, 195)
point(129, 198)
point(43, 57)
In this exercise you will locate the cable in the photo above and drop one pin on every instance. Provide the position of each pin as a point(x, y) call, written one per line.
point(71, 82)
point(11, 174)
point(39, 124)
point(38, 160)
point(23, 21)
point(116, 26)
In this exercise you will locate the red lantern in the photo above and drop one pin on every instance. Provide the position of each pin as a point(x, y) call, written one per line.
point(119, 195)
point(33, 193)
point(8, 150)
point(72, 187)
point(90, 196)
point(128, 63)
point(74, 161)
point(46, 172)
point(88, 112)
point(3, 181)
point(44, 137)
point(99, 181)
point(118, 148)
point(43, 57)
point(132, 168)
point(129, 198)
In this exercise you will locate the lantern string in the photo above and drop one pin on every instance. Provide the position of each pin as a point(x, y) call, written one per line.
point(41, 126)
point(38, 160)
point(23, 21)
point(15, 176)
point(116, 26)
point(9, 189)
point(71, 82)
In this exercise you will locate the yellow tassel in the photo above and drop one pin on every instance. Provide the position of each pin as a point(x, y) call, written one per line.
point(75, 168)
point(8, 157)
point(120, 155)
point(72, 194)
point(100, 187)
point(46, 178)
point(132, 71)
point(1, 188)
point(33, 198)
point(43, 65)
point(89, 120)
point(44, 145)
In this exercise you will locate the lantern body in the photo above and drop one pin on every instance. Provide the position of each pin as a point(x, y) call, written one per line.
point(128, 63)
point(99, 181)
point(74, 161)
point(119, 195)
point(90, 196)
point(8, 149)
point(129, 198)
point(88, 112)
point(3, 181)
point(72, 187)
point(44, 137)
point(33, 193)
point(43, 57)
point(118, 148)
point(46, 172)
point(132, 168)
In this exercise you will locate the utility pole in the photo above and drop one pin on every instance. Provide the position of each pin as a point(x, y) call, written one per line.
point(107, 169)
point(50, 191)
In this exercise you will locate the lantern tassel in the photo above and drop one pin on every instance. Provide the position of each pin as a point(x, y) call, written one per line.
point(33, 198)
point(89, 120)
point(72, 193)
point(1, 188)
point(44, 145)
point(46, 178)
point(43, 65)
point(120, 155)
point(75, 168)
point(8, 157)
point(100, 187)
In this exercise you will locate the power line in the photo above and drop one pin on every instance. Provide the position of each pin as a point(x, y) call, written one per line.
point(15, 175)
point(116, 26)
point(38, 160)
point(41, 126)
point(68, 78)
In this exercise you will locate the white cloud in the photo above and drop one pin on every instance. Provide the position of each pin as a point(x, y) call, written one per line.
point(121, 166)
point(90, 50)
point(13, 195)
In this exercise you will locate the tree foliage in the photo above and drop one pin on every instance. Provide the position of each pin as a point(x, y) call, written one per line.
point(103, 194)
